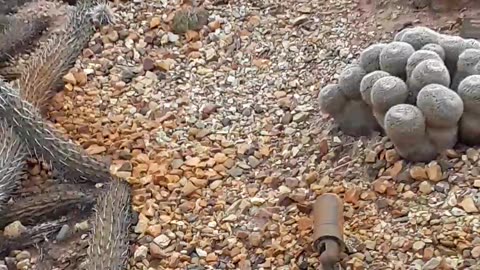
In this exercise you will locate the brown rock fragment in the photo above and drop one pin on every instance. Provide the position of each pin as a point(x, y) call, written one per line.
point(418, 173)
point(304, 223)
point(434, 172)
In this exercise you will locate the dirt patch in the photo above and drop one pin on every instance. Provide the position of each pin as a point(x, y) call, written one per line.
point(445, 16)
point(55, 10)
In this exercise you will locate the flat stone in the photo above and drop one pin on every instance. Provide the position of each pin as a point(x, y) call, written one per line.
point(14, 230)
point(432, 264)
point(255, 239)
point(468, 205)
point(434, 172)
point(235, 172)
point(425, 187)
point(418, 245)
point(418, 173)
point(162, 241)
point(140, 253)
point(475, 252)
point(304, 223)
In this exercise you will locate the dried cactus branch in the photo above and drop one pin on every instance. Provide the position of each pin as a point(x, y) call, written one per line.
point(32, 236)
point(36, 208)
point(70, 160)
point(109, 244)
point(18, 36)
point(9, 73)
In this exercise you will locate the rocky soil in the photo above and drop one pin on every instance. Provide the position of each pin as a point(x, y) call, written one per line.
point(219, 132)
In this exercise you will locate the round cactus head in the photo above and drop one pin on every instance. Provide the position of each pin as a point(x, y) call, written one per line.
point(436, 49)
point(420, 36)
point(468, 60)
point(428, 72)
point(394, 58)
point(453, 47)
point(387, 92)
point(471, 43)
point(441, 106)
point(350, 79)
point(418, 57)
point(367, 83)
point(331, 99)
point(404, 123)
point(369, 58)
point(469, 91)
point(398, 36)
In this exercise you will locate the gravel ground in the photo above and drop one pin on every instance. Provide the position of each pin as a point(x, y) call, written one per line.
point(219, 132)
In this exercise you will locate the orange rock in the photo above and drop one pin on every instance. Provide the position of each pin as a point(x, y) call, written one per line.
point(220, 158)
point(192, 35)
point(195, 55)
point(395, 169)
point(172, 178)
point(380, 186)
point(81, 78)
point(304, 223)
point(253, 21)
point(214, 25)
point(211, 257)
point(155, 22)
point(352, 195)
point(418, 173)
point(193, 162)
point(96, 149)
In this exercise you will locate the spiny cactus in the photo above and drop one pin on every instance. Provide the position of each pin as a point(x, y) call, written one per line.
point(350, 79)
point(419, 56)
point(109, 242)
point(405, 126)
point(394, 58)
point(426, 66)
point(453, 47)
point(427, 72)
point(420, 132)
point(419, 37)
point(367, 83)
point(387, 92)
point(43, 72)
point(467, 61)
point(189, 19)
point(436, 49)
point(370, 57)
point(73, 163)
point(12, 161)
point(469, 91)
point(442, 108)
point(20, 107)
point(344, 102)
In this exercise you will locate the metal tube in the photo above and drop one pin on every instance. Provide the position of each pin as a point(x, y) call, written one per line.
point(328, 229)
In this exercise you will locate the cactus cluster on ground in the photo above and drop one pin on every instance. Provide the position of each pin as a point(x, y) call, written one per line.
point(422, 90)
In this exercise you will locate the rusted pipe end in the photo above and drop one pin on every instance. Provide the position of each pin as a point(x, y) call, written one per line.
point(328, 221)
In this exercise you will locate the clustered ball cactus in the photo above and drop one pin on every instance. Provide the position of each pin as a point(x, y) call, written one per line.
point(422, 90)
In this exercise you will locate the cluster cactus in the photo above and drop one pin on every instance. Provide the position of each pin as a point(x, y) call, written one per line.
point(422, 90)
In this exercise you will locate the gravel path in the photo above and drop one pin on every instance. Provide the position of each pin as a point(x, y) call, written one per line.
point(219, 132)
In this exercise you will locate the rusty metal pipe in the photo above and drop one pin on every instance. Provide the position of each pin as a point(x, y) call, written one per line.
point(328, 229)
